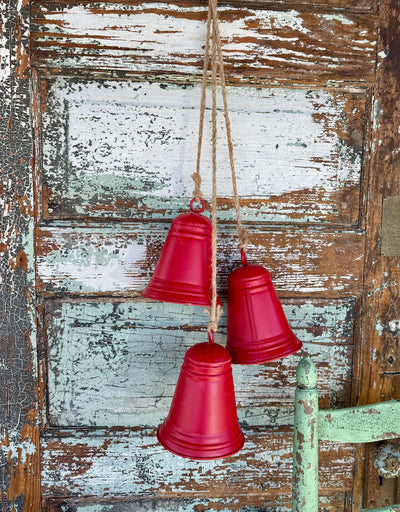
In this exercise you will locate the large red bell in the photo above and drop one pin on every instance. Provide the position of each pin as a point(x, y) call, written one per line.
point(202, 422)
point(258, 330)
point(183, 270)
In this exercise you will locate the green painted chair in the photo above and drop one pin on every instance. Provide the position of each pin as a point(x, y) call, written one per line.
point(364, 424)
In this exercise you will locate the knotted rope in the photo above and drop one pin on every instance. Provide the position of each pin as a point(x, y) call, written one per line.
point(216, 65)
point(216, 309)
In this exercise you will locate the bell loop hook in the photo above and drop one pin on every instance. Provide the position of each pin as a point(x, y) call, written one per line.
point(197, 210)
point(211, 337)
point(243, 257)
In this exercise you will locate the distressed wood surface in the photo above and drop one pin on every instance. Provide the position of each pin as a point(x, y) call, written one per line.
point(259, 45)
point(127, 149)
point(331, 502)
point(122, 462)
point(19, 391)
point(120, 259)
point(381, 310)
point(305, 439)
point(117, 363)
point(363, 424)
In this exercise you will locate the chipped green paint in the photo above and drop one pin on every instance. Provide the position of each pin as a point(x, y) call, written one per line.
point(117, 363)
point(363, 424)
point(127, 149)
point(305, 439)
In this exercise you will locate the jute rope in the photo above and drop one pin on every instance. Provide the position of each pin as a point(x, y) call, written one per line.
point(216, 65)
point(243, 234)
point(216, 309)
point(196, 175)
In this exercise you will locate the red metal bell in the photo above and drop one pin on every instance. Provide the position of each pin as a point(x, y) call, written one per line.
point(183, 270)
point(202, 422)
point(258, 330)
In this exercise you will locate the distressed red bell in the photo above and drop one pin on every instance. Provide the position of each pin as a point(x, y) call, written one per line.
point(183, 270)
point(258, 330)
point(202, 422)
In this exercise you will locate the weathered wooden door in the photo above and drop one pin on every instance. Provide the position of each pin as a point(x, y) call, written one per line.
point(99, 113)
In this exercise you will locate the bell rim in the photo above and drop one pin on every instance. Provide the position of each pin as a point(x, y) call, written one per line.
point(236, 359)
point(237, 448)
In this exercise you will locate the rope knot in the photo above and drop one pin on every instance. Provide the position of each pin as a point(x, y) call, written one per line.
point(197, 184)
point(213, 323)
point(243, 239)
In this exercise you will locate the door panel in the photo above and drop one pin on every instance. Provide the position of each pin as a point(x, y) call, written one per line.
point(116, 124)
point(118, 259)
point(123, 149)
point(260, 44)
point(117, 363)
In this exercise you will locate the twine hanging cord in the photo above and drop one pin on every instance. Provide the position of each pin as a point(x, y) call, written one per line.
point(217, 64)
point(216, 309)
point(216, 52)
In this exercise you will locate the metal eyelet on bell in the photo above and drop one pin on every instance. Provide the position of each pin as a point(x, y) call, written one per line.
point(198, 210)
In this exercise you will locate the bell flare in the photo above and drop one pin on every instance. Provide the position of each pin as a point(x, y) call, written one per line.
point(258, 331)
point(202, 423)
point(183, 271)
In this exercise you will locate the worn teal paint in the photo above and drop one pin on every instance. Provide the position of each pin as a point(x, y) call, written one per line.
point(117, 363)
point(351, 425)
point(305, 439)
point(119, 258)
point(364, 424)
point(137, 161)
point(130, 462)
point(222, 504)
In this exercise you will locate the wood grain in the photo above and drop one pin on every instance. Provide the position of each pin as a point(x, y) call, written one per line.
point(259, 45)
point(128, 463)
point(381, 309)
point(332, 501)
point(117, 363)
point(127, 149)
point(20, 393)
point(120, 259)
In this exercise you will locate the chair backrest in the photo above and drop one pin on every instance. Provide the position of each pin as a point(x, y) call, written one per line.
point(364, 424)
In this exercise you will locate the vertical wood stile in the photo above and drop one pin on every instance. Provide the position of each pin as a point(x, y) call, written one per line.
point(381, 274)
point(305, 445)
point(19, 392)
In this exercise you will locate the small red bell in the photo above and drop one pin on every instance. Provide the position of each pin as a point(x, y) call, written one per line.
point(202, 422)
point(258, 330)
point(183, 270)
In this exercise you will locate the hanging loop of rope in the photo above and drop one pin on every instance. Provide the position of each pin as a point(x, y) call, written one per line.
point(243, 233)
point(217, 65)
point(216, 309)
point(196, 177)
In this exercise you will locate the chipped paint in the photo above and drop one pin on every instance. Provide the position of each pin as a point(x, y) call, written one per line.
point(305, 439)
point(298, 160)
point(128, 463)
point(377, 113)
point(110, 258)
point(19, 434)
point(363, 424)
point(117, 363)
point(259, 44)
